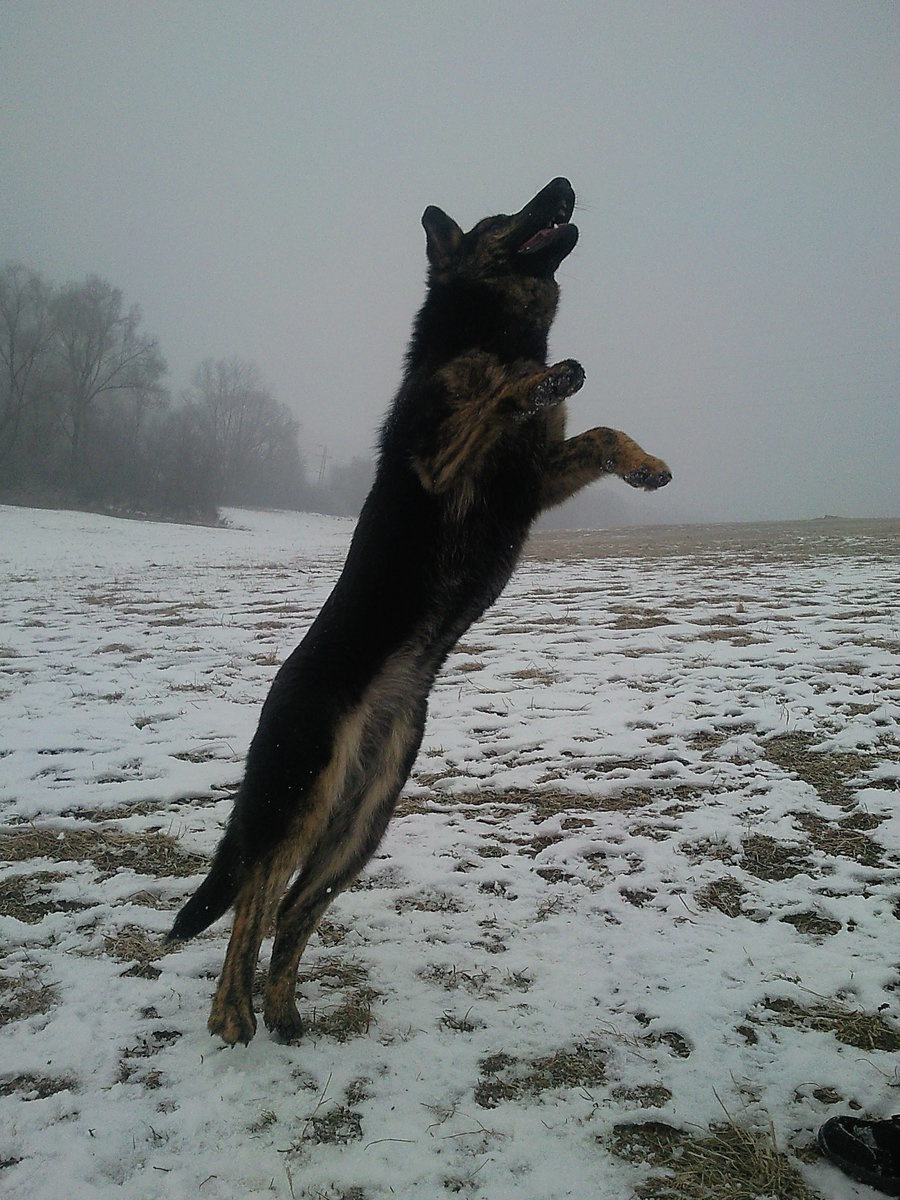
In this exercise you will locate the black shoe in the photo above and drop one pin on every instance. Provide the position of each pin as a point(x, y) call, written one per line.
point(866, 1150)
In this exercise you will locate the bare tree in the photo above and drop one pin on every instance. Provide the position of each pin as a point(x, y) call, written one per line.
point(179, 471)
point(26, 331)
point(346, 488)
point(252, 435)
point(83, 411)
point(99, 352)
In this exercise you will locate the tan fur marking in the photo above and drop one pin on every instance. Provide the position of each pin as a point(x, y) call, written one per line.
point(231, 1016)
point(393, 694)
point(586, 457)
point(386, 699)
point(281, 985)
point(486, 398)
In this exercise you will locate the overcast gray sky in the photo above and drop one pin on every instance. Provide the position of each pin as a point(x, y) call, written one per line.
point(253, 176)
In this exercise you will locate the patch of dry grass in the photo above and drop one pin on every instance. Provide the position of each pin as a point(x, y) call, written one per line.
point(25, 995)
point(109, 851)
point(334, 1123)
point(331, 932)
point(725, 894)
point(351, 1014)
point(467, 666)
point(535, 675)
point(707, 741)
point(826, 771)
point(434, 902)
point(137, 947)
point(731, 1162)
point(31, 1086)
point(845, 838)
point(30, 897)
point(629, 617)
point(813, 924)
point(542, 801)
point(133, 1065)
point(504, 1077)
point(536, 845)
point(678, 1045)
point(652, 1142)
point(351, 1018)
point(852, 1026)
point(451, 978)
point(461, 1022)
point(767, 858)
point(646, 1095)
point(714, 849)
point(630, 799)
point(338, 1126)
point(485, 984)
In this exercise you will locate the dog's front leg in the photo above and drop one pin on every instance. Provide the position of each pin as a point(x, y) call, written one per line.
point(535, 391)
point(588, 456)
point(478, 398)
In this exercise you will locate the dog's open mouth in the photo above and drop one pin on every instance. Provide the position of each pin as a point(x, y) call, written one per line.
point(545, 223)
point(544, 237)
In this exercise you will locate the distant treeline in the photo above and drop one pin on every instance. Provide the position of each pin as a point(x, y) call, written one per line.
point(86, 418)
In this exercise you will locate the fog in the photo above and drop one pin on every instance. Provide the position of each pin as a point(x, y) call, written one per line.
point(253, 176)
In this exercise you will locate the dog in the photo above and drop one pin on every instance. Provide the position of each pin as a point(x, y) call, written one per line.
point(472, 450)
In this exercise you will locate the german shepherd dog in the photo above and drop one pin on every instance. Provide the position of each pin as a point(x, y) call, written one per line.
point(472, 450)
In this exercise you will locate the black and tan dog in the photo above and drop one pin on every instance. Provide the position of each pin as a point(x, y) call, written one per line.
point(473, 449)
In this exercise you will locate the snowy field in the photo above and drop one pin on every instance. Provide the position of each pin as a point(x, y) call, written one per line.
point(634, 931)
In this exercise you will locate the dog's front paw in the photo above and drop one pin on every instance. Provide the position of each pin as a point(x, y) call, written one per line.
point(568, 376)
point(650, 475)
point(561, 380)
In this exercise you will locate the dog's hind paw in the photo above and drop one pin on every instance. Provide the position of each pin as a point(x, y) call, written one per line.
point(285, 1024)
point(231, 1024)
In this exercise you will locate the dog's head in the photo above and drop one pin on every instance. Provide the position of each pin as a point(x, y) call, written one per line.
point(530, 244)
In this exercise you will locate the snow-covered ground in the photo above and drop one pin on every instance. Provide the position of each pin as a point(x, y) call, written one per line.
point(643, 882)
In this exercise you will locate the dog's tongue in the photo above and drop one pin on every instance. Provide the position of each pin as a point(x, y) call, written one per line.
point(540, 238)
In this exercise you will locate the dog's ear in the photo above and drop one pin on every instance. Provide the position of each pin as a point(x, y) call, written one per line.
point(443, 236)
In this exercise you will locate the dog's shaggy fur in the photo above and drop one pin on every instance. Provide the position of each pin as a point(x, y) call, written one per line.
point(472, 450)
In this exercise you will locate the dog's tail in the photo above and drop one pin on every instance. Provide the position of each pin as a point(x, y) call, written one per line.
point(216, 893)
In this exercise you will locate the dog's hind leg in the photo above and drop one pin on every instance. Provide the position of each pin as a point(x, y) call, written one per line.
point(294, 931)
point(231, 1016)
point(341, 854)
point(356, 826)
point(377, 750)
